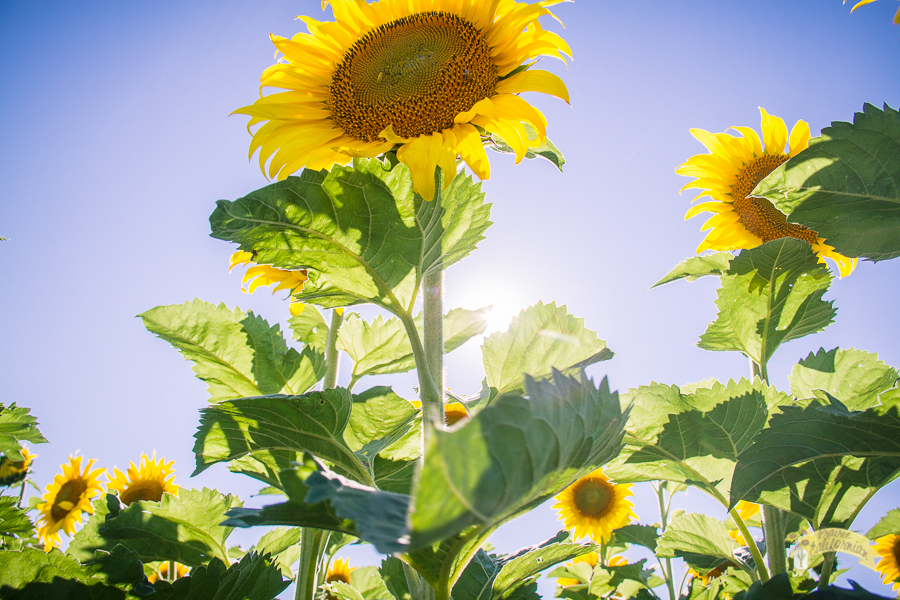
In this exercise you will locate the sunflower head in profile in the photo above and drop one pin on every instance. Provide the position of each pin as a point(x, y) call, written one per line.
point(259, 275)
point(594, 506)
point(66, 499)
point(889, 565)
point(339, 571)
point(730, 172)
point(148, 482)
point(454, 412)
point(14, 471)
point(162, 573)
point(427, 78)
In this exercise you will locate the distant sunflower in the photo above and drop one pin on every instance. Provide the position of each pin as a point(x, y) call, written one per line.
point(259, 275)
point(147, 482)
point(430, 78)
point(339, 571)
point(66, 499)
point(14, 471)
point(594, 506)
point(163, 572)
point(591, 558)
point(454, 412)
point(730, 172)
point(889, 565)
point(864, 2)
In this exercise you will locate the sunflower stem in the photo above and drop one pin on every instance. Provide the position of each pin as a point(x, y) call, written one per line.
point(827, 566)
point(433, 309)
point(332, 355)
point(173, 572)
point(773, 528)
point(664, 517)
point(308, 570)
point(22, 493)
point(761, 570)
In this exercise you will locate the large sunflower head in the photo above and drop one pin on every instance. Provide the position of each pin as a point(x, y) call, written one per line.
point(730, 172)
point(889, 565)
point(594, 506)
point(259, 275)
point(66, 499)
point(14, 471)
point(429, 78)
point(148, 482)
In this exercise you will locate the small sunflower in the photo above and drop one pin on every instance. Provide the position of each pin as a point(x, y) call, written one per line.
point(67, 497)
point(339, 571)
point(594, 506)
point(454, 412)
point(591, 558)
point(163, 572)
point(430, 78)
point(730, 172)
point(149, 482)
point(864, 2)
point(889, 565)
point(14, 471)
point(259, 275)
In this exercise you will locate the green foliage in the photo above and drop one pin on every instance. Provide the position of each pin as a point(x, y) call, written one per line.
point(770, 295)
point(640, 535)
point(698, 266)
point(692, 438)
point(16, 426)
point(382, 346)
point(845, 185)
point(236, 353)
point(547, 149)
point(281, 544)
point(185, 528)
point(383, 423)
point(822, 462)
point(13, 520)
point(362, 231)
point(310, 328)
point(542, 338)
point(394, 577)
point(696, 534)
point(889, 524)
point(253, 578)
point(855, 376)
point(365, 584)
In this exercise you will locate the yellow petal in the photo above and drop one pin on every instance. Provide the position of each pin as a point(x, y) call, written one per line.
point(751, 137)
point(799, 137)
point(422, 155)
point(534, 81)
point(860, 3)
point(774, 131)
point(471, 149)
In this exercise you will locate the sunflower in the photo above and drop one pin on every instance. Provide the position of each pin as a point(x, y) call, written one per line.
point(67, 497)
point(14, 471)
point(454, 412)
point(339, 571)
point(595, 506)
point(163, 572)
point(149, 482)
point(889, 565)
point(864, 2)
point(730, 172)
point(431, 78)
point(259, 275)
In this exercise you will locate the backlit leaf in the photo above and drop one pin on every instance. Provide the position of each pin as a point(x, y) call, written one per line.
point(698, 266)
point(17, 425)
point(697, 534)
point(889, 524)
point(253, 578)
point(854, 376)
point(33, 573)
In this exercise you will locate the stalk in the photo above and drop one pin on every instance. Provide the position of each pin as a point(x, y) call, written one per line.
point(433, 309)
point(663, 516)
point(332, 356)
point(827, 566)
point(773, 527)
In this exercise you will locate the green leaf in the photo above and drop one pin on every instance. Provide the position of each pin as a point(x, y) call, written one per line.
point(394, 577)
point(821, 462)
point(13, 520)
point(697, 534)
point(310, 328)
point(515, 454)
point(698, 266)
point(282, 545)
point(362, 231)
point(383, 422)
point(640, 535)
point(274, 430)
point(770, 295)
point(692, 438)
point(367, 581)
point(236, 353)
point(523, 567)
point(542, 338)
point(846, 185)
point(777, 588)
point(382, 346)
point(185, 528)
point(32, 573)
point(17, 425)
point(889, 524)
point(547, 149)
point(855, 376)
point(253, 578)
point(343, 591)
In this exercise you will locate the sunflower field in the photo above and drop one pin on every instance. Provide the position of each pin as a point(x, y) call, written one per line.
point(377, 129)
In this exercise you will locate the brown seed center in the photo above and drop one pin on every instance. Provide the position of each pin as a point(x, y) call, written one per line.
point(593, 498)
point(67, 497)
point(142, 490)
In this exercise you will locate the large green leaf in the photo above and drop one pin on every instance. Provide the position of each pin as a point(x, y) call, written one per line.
point(888, 525)
point(283, 545)
point(17, 425)
point(770, 295)
point(698, 266)
point(542, 338)
point(34, 574)
point(185, 528)
point(382, 422)
point(310, 328)
point(362, 231)
point(236, 353)
point(641, 535)
point(274, 430)
point(822, 461)
point(846, 185)
point(854, 376)
point(382, 346)
point(13, 520)
point(693, 437)
point(253, 578)
point(697, 534)
point(514, 454)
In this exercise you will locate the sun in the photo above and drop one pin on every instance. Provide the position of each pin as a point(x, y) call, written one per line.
point(148, 482)
point(429, 79)
point(66, 499)
point(594, 506)
point(730, 172)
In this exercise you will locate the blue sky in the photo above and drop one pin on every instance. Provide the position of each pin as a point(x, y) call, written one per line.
point(117, 143)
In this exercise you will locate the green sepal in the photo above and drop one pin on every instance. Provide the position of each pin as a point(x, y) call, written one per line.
point(845, 185)
point(698, 266)
point(17, 425)
point(546, 149)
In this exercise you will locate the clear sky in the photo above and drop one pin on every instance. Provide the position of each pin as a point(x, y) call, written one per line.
point(117, 143)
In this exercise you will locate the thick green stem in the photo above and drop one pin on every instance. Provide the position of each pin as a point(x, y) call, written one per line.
point(773, 528)
point(332, 355)
point(308, 570)
point(761, 570)
point(173, 571)
point(433, 300)
point(827, 566)
point(664, 517)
